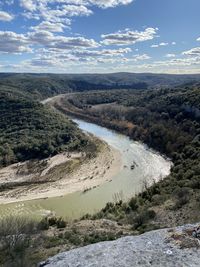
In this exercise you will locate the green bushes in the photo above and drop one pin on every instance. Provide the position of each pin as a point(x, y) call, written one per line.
point(133, 204)
point(15, 239)
point(46, 222)
point(43, 224)
point(181, 196)
point(60, 223)
point(142, 217)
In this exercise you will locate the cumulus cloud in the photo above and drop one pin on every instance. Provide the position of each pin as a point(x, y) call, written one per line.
point(109, 3)
point(63, 13)
point(49, 40)
point(18, 43)
point(29, 5)
point(140, 57)
point(198, 39)
point(48, 26)
point(62, 42)
point(192, 52)
point(102, 53)
point(129, 37)
point(58, 58)
point(11, 42)
point(33, 4)
point(4, 16)
point(60, 10)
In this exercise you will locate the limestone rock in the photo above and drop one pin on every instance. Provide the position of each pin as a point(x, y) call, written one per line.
point(156, 248)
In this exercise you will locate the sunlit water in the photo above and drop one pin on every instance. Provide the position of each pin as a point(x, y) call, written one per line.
point(149, 166)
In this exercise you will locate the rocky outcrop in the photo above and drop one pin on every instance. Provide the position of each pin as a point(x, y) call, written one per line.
point(176, 247)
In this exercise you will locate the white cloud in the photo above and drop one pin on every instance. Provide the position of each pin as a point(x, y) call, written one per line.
point(109, 3)
point(179, 62)
point(141, 57)
point(170, 55)
point(53, 57)
point(163, 44)
point(33, 4)
point(102, 53)
point(18, 43)
point(160, 44)
point(154, 46)
point(4, 16)
point(128, 37)
point(198, 39)
point(51, 27)
point(63, 13)
point(29, 5)
point(49, 40)
point(11, 42)
point(192, 52)
point(61, 10)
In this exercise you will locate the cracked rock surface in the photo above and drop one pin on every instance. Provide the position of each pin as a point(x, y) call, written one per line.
point(174, 247)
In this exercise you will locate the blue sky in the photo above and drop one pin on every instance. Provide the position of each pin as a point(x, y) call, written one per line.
point(87, 36)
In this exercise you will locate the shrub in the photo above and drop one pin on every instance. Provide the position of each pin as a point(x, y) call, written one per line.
point(15, 237)
point(60, 223)
point(43, 224)
point(157, 199)
point(52, 221)
point(181, 196)
point(133, 203)
point(143, 217)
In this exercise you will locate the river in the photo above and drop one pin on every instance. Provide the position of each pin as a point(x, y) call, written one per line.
point(149, 166)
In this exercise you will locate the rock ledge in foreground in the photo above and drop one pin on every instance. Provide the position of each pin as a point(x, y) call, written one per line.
point(167, 248)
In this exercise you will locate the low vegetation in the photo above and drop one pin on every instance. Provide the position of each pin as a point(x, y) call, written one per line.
point(25, 242)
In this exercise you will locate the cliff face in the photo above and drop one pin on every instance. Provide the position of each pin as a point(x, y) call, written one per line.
point(175, 247)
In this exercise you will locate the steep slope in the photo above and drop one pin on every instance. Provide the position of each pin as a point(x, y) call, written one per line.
point(29, 130)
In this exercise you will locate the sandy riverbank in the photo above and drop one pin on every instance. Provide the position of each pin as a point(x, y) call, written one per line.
point(87, 174)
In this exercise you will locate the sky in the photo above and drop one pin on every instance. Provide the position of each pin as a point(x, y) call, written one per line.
point(100, 36)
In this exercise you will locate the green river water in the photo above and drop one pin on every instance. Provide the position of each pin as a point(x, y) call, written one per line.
point(149, 165)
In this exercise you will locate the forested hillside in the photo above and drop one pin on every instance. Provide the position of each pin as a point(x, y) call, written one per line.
point(41, 86)
point(29, 130)
point(168, 120)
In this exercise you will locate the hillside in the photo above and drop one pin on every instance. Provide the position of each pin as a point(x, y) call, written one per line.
point(41, 86)
point(29, 130)
point(167, 120)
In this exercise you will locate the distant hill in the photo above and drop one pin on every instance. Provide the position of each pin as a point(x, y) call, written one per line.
point(41, 86)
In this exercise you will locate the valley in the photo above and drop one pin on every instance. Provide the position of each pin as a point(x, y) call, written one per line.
point(83, 161)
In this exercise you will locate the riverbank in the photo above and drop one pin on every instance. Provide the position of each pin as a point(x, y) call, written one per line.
point(58, 176)
point(141, 167)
